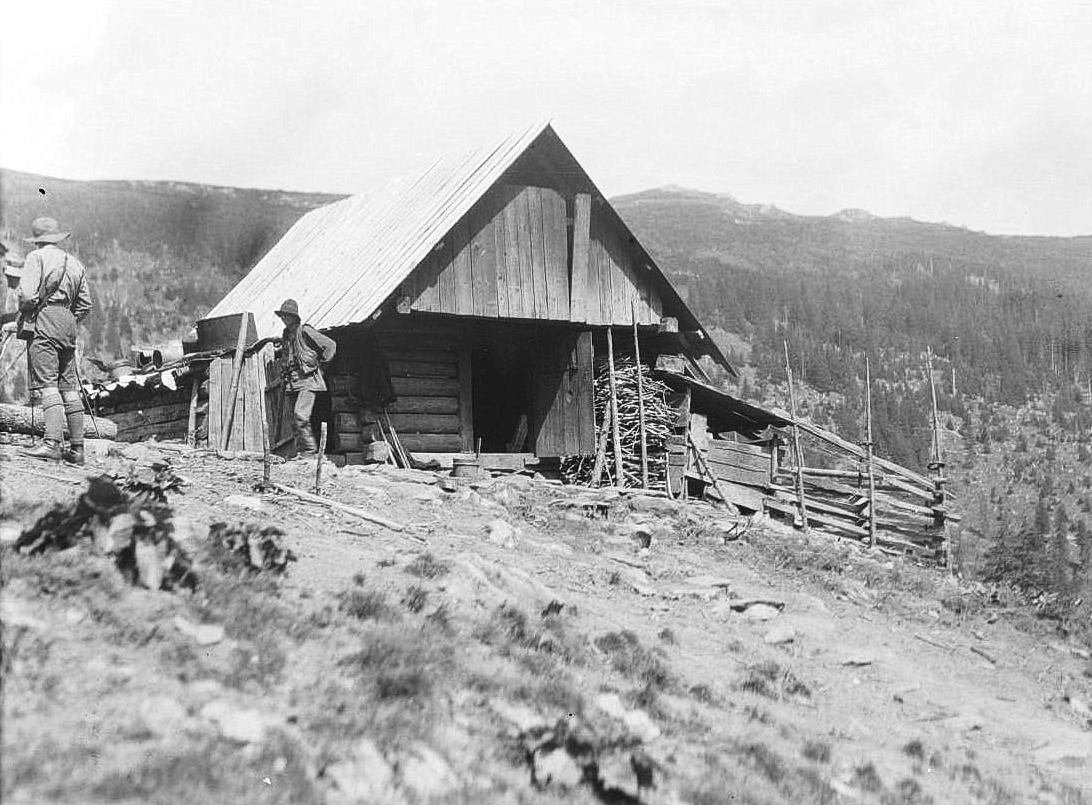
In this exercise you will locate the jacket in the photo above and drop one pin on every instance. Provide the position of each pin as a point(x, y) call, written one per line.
point(305, 350)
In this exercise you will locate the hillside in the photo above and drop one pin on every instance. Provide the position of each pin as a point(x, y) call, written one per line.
point(161, 253)
point(512, 641)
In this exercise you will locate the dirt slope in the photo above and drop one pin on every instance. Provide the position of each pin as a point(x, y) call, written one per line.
point(432, 664)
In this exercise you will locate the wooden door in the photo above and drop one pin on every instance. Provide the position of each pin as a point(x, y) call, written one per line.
point(563, 394)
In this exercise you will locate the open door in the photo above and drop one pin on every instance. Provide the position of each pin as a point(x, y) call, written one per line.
point(563, 396)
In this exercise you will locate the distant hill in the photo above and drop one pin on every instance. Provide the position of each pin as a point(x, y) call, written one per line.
point(232, 227)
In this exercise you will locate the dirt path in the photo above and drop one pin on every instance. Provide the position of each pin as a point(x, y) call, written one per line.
point(876, 696)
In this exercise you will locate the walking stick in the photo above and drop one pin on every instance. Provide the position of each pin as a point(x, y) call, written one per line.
point(84, 398)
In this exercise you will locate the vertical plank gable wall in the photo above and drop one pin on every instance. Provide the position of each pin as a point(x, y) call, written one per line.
point(512, 257)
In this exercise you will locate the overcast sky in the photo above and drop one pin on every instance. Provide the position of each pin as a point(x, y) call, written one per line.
point(975, 113)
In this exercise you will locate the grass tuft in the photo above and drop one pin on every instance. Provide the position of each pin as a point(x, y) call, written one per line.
point(630, 658)
point(427, 566)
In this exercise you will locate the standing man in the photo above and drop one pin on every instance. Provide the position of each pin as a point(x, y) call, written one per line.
point(305, 350)
point(53, 299)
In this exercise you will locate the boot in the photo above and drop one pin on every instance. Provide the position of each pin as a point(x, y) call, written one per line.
point(74, 455)
point(305, 442)
point(48, 450)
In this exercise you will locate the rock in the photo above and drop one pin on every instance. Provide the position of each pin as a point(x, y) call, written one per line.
point(719, 582)
point(760, 612)
point(237, 723)
point(149, 557)
point(204, 634)
point(858, 660)
point(425, 772)
point(365, 777)
point(162, 715)
point(501, 533)
point(556, 768)
point(1079, 707)
point(117, 536)
point(616, 772)
point(519, 716)
point(14, 612)
point(641, 724)
point(428, 494)
point(74, 616)
point(9, 532)
point(245, 502)
point(96, 448)
point(779, 635)
point(611, 704)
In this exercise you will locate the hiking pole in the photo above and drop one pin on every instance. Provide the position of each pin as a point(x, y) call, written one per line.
point(84, 398)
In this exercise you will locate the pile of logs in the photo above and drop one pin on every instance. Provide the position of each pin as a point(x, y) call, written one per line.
point(659, 422)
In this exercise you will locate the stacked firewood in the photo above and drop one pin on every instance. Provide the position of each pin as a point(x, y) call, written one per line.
point(659, 421)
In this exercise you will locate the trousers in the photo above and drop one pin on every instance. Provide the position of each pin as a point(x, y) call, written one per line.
point(303, 402)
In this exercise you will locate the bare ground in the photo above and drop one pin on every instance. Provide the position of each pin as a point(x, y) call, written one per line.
point(426, 665)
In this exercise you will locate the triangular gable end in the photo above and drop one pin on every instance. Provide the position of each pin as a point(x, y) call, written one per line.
point(515, 231)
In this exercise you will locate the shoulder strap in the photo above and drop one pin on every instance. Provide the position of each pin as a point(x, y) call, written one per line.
point(43, 300)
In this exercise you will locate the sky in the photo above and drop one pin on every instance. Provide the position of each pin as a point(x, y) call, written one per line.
point(976, 113)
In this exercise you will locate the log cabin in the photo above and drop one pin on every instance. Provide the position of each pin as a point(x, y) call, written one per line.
point(487, 284)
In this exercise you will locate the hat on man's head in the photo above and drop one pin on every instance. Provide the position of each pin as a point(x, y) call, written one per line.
point(45, 230)
point(288, 308)
point(13, 267)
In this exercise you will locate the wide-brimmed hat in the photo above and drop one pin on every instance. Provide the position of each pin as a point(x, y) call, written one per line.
point(46, 230)
point(288, 308)
point(13, 267)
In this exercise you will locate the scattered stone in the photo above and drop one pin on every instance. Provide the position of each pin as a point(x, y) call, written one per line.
point(779, 635)
point(237, 723)
point(245, 502)
point(14, 612)
point(611, 704)
point(425, 772)
point(519, 716)
point(556, 768)
point(760, 612)
point(616, 773)
point(366, 777)
point(149, 558)
point(720, 582)
point(858, 660)
point(501, 533)
point(162, 715)
point(205, 634)
point(641, 724)
point(9, 532)
point(74, 616)
point(1079, 707)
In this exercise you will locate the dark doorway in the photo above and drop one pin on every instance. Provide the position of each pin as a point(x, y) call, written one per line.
point(501, 387)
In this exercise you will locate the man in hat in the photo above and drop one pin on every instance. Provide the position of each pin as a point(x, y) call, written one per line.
point(53, 299)
point(305, 350)
point(13, 270)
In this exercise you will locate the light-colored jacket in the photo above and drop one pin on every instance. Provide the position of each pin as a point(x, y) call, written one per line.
point(42, 270)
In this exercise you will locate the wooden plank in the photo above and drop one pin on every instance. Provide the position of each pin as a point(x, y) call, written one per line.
point(620, 284)
point(726, 446)
point(538, 256)
point(424, 423)
point(214, 416)
point(483, 256)
point(465, 401)
point(739, 475)
point(424, 405)
point(430, 284)
point(500, 264)
point(517, 296)
point(578, 303)
point(584, 387)
point(431, 442)
point(859, 452)
point(463, 277)
point(746, 496)
point(402, 368)
point(149, 415)
point(236, 436)
point(521, 210)
point(792, 510)
point(850, 515)
point(555, 245)
point(252, 436)
point(411, 354)
point(346, 423)
point(425, 386)
point(444, 259)
point(606, 314)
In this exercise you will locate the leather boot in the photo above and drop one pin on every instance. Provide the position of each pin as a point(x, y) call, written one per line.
point(74, 455)
point(48, 450)
point(305, 441)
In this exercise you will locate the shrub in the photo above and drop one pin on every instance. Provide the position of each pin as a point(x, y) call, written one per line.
point(427, 566)
point(630, 658)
